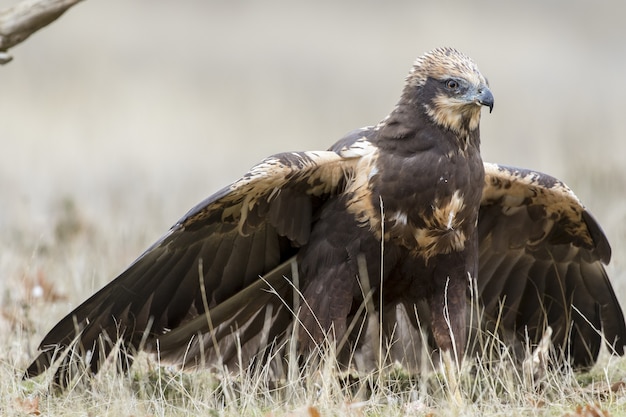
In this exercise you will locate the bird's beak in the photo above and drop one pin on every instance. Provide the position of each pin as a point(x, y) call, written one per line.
point(484, 97)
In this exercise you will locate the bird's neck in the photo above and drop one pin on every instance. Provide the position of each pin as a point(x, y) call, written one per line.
point(409, 129)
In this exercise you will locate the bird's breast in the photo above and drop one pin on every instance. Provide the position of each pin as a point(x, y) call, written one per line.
point(427, 203)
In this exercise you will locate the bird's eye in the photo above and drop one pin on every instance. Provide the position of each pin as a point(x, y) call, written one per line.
point(452, 84)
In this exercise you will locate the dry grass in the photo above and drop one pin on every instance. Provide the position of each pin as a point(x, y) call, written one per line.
point(494, 389)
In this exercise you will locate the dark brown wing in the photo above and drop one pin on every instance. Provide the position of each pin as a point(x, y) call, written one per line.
point(213, 256)
point(541, 264)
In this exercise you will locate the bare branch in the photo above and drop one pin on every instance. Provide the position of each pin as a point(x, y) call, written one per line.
point(22, 20)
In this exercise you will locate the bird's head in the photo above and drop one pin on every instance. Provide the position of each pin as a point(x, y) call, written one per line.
point(450, 88)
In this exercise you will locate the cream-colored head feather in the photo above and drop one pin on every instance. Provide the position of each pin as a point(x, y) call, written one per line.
point(442, 63)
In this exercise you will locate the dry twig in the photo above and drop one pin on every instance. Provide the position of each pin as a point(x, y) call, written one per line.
point(17, 23)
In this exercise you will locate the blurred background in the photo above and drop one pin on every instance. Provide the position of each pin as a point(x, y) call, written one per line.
point(129, 113)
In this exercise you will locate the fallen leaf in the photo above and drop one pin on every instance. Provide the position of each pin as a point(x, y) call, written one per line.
point(29, 405)
point(588, 410)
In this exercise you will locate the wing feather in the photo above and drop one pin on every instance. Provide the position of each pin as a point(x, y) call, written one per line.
point(541, 263)
point(541, 258)
point(240, 233)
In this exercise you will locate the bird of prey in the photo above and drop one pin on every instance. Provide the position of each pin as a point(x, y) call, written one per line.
point(401, 221)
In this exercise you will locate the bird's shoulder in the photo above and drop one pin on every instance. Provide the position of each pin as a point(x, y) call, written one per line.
point(545, 202)
point(281, 179)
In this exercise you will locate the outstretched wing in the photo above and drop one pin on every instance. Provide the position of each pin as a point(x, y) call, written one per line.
point(541, 264)
point(224, 245)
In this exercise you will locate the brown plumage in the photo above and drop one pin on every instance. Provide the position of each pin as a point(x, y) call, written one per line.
point(407, 202)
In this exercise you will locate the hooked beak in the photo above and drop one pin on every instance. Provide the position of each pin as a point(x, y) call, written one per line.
point(484, 98)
